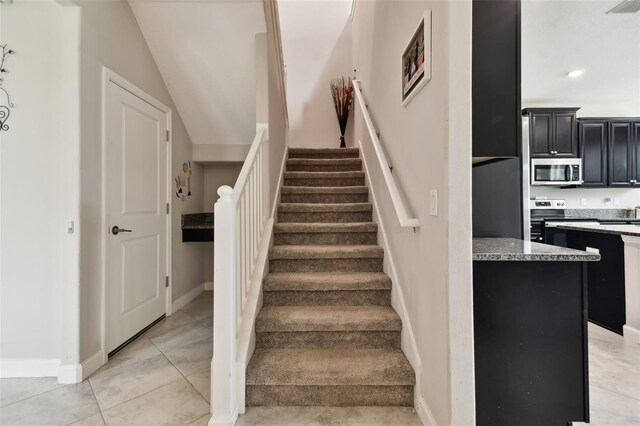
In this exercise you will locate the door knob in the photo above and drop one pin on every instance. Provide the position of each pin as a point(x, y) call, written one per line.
point(115, 230)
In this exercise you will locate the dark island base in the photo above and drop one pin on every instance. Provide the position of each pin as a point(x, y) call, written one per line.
point(606, 278)
point(531, 359)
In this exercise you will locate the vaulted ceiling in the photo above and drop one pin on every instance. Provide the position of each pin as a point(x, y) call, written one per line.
point(205, 51)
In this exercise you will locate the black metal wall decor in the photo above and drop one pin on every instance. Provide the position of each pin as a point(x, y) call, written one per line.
point(5, 110)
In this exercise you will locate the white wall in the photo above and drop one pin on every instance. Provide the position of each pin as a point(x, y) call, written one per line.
point(429, 144)
point(110, 37)
point(39, 187)
point(595, 197)
point(316, 43)
point(205, 52)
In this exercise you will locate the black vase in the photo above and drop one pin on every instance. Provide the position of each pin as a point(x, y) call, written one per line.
point(342, 143)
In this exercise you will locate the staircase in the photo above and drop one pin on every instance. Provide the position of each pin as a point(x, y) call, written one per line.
point(327, 334)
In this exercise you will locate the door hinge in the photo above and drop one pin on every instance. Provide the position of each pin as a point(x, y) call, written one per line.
point(166, 281)
point(167, 208)
point(168, 136)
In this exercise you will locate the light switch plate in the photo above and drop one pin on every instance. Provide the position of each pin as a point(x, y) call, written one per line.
point(583, 201)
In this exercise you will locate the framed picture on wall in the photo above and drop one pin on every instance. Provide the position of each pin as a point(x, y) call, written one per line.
point(416, 60)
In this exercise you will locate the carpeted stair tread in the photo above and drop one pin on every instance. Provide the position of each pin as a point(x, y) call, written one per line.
point(329, 367)
point(324, 190)
point(324, 152)
point(326, 281)
point(315, 227)
point(327, 318)
point(325, 207)
point(326, 252)
point(323, 161)
point(322, 175)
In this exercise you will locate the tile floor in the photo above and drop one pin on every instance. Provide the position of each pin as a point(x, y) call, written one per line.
point(163, 379)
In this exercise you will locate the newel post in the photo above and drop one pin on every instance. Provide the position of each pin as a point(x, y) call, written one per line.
point(223, 375)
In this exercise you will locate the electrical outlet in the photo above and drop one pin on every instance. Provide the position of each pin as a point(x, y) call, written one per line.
point(608, 201)
point(616, 201)
point(583, 201)
point(434, 202)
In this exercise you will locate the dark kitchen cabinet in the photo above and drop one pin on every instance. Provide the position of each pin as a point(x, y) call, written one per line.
point(624, 144)
point(592, 142)
point(497, 125)
point(553, 132)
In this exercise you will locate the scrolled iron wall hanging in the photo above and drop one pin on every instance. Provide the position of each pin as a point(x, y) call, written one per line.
point(5, 110)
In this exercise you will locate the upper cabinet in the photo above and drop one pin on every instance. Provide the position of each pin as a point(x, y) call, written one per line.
point(497, 126)
point(624, 144)
point(610, 151)
point(593, 138)
point(553, 132)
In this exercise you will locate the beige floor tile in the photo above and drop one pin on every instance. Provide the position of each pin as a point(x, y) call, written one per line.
point(202, 382)
point(138, 369)
point(280, 416)
point(60, 406)
point(207, 322)
point(13, 390)
point(615, 366)
point(202, 421)
point(192, 357)
point(175, 404)
point(95, 420)
point(612, 409)
point(181, 336)
point(176, 320)
point(361, 416)
point(199, 308)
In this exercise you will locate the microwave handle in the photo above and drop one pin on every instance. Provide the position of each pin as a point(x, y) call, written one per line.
point(570, 169)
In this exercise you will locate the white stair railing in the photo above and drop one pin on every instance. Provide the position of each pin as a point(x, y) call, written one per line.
point(239, 236)
point(398, 204)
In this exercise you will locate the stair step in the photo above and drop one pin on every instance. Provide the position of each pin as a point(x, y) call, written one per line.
point(350, 233)
point(324, 165)
point(326, 281)
point(323, 178)
point(329, 367)
point(327, 288)
point(327, 318)
point(321, 258)
point(324, 194)
point(324, 153)
point(325, 212)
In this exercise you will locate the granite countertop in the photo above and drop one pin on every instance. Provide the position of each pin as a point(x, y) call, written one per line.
point(632, 230)
point(510, 249)
point(197, 221)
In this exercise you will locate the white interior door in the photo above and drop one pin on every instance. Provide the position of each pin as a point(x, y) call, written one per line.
point(136, 294)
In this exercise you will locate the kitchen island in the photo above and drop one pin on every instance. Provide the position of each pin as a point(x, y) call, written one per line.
point(614, 300)
point(530, 333)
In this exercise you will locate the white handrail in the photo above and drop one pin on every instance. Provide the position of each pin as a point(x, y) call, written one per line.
point(398, 203)
point(241, 233)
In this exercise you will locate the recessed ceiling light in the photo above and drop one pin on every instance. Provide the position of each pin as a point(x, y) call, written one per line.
point(575, 73)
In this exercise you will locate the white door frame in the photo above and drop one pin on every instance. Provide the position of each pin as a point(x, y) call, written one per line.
point(108, 77)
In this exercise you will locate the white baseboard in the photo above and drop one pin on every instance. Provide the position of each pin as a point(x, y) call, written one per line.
point(91, 364)
point(70, 374)
point(10, 368)
point(208, 285)
point(425, 414)
point(631, 334)
point(182, 301)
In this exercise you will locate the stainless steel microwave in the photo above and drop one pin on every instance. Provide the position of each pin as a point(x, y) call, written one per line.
point(556, 171)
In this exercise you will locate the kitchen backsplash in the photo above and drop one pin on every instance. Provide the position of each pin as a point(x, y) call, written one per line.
point(592, 198)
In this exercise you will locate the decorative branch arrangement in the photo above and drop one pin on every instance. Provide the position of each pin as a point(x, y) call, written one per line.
point(342, 93)
point(4, 109)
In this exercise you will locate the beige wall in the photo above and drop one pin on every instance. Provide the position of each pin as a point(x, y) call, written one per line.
point(316, 42)
point(428, 142)
point(39, 185)
point(215, 175)
point(110, 37)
